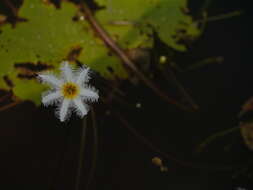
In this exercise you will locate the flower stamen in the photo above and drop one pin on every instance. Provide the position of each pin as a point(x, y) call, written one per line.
point(70, 90)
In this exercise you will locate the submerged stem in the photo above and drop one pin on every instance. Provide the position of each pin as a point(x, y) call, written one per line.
point(95, 148)
point(10, 105)
point(180, 87)
point(166, 155)
point(215, 136)
point(11, 6)
point(60, 162)
point(4, 97)
point(125, 59)
point(81, 154)
point(221, 16)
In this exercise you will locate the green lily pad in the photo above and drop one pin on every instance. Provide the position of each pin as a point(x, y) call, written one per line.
point(43, 41)
point(50, 35)
point(132, 22)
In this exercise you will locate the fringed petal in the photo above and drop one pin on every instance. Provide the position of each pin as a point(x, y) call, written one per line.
point(67, 71)
point(50, 79)
point(64, 110)
point(81, 107)
point(89, 94)
point(51, 97)
point(83, 76)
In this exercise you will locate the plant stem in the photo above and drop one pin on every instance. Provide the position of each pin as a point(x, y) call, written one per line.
point(125, 59)
point(205, 5)
point(166, 155)
point(5, 97)
point(12, 7)
point(202, 63)
point(81, 153)
point(10, 105)
point(95, 148)
point(215, 136)
point(61, 160)
point(181, 88)
point(221, 17)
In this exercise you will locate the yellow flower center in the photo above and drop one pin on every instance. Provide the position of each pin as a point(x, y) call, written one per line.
point(70, 90)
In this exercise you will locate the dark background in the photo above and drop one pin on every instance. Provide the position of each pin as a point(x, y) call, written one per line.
point(32, 140)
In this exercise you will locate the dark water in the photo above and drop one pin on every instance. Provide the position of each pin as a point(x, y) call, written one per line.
point(32, 140)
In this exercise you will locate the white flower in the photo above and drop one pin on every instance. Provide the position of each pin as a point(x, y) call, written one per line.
point(70, 92)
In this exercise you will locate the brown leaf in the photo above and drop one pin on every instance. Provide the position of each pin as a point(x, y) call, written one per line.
point(247, 134)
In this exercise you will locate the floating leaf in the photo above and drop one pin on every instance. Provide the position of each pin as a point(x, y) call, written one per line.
point(132, 22)
point(47, 37)
point(247, 134)
point(247, 107)
point(246, 125)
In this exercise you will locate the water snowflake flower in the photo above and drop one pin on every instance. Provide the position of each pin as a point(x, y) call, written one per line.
point(70, 93)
